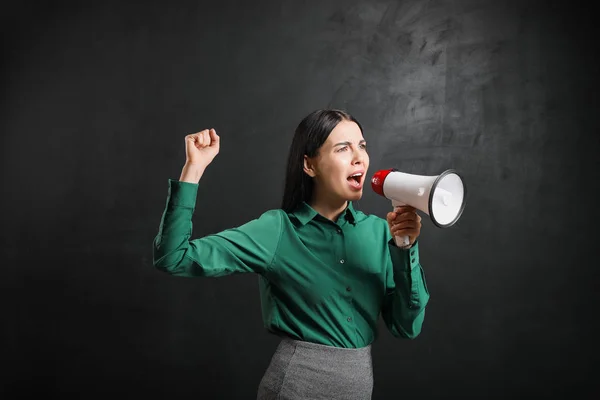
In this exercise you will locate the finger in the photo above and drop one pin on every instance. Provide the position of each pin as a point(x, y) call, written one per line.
point(200, 138)
point(406, 232)
point(215, 139)
point(405, 225)
point(205, 138)
point(405, 208)
point(195, 134)
point(407, 216)
point(206, 135)
point(413, 233)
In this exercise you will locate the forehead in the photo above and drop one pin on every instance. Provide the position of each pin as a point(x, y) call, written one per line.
point(345, 131)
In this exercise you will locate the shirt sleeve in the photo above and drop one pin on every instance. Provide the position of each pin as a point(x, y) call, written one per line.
point(248, 248)
point(403, 309)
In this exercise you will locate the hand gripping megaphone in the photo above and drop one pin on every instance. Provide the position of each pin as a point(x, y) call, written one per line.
point(442, 197)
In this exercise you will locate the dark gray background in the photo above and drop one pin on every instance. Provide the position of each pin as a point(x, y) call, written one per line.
point(96, 102)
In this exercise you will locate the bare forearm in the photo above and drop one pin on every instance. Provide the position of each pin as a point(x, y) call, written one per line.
point(192, 173)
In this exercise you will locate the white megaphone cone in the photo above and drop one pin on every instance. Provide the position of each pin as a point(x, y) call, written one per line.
point(442, 197)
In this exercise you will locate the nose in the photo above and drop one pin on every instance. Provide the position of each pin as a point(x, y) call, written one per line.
point(358, 157)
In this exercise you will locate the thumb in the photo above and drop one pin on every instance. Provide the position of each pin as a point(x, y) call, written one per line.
point(190, 141)
point(391, 216)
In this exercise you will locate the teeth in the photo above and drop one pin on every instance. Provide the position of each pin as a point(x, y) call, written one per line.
point(358, 174)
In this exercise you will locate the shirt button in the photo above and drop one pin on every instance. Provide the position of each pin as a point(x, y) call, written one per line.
point(349, 319)
point(339, 231)
point(342, 261)
point(348, 289)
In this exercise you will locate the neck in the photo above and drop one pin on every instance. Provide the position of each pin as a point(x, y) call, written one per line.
point(328, 207)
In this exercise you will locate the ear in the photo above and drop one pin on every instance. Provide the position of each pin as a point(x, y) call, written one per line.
point(309, 167)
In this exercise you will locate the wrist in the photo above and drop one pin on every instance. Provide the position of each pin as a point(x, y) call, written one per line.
point(192, 172)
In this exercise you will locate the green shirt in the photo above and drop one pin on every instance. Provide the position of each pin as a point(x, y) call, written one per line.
point(319, 281)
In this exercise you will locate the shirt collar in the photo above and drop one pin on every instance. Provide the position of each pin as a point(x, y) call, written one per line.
point(305, 213)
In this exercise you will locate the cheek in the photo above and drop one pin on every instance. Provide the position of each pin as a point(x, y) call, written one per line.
point(340, 169)
point(333, 168)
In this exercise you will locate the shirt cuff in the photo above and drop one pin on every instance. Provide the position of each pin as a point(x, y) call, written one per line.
point(407, 257)
point(413, 254)
point(182, 194)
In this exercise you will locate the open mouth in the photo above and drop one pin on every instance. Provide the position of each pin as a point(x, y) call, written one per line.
point(355, 180)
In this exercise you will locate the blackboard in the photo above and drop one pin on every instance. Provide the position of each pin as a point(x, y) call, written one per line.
point(98, 97)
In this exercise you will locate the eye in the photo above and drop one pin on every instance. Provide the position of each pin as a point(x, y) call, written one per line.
point(343, 148)
point(363, 146)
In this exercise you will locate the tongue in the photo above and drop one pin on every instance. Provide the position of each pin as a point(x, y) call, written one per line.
point(354, 181)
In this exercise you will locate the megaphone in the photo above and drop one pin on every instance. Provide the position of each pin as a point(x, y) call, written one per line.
point(442, 196)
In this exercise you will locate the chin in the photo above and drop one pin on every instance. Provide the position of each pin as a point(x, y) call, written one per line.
point(355, 196)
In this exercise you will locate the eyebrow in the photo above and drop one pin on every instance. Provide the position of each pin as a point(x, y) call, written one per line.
point(348, 143)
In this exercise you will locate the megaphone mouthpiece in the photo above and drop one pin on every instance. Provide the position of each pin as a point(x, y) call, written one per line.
point(378, 179)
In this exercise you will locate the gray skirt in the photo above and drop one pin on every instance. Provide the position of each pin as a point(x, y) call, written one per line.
point(302, 370)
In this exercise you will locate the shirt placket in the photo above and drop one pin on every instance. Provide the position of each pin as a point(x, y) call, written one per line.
point(341, 256)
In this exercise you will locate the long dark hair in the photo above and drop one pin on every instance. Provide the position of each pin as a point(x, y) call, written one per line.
point(309, 136)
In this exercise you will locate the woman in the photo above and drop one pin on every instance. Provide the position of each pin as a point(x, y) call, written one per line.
point(327, 271)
